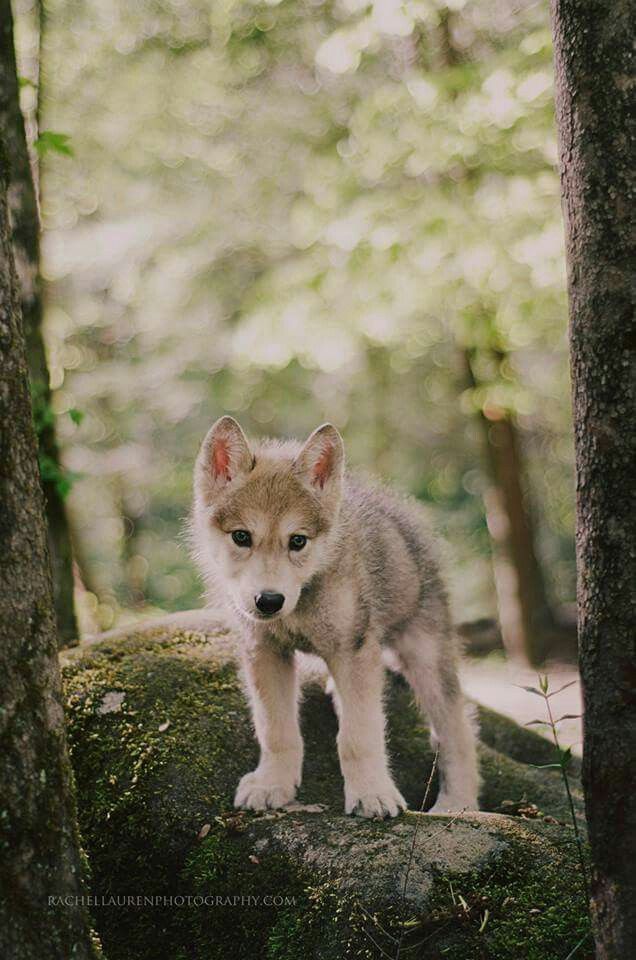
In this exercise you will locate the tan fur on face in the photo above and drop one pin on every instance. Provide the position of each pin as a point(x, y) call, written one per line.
point(273, 491)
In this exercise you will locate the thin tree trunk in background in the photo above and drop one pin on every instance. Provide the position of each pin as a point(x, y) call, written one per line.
point(41, 856)
point(134, 580)
point(26, 246)
point(594, 74)
point(524, 612)
point(525, 616)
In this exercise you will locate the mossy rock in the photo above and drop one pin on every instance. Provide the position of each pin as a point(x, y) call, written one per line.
point(160, 735)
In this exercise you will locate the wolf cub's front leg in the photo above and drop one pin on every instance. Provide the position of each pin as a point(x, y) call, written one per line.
point(272, 686)
point(358, 677)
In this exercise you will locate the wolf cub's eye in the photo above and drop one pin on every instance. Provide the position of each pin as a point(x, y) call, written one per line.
point(242, 538)
point(297, 541)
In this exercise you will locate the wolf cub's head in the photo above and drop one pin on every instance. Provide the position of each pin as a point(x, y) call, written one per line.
point(263, 514)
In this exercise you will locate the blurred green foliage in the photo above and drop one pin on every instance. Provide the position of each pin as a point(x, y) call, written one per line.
point(50, 142)
point(294, 212)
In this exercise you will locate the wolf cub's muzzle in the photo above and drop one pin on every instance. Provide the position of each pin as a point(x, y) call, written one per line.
point(269, 603)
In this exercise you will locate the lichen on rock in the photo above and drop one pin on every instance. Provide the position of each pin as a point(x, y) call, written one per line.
point(155, 782)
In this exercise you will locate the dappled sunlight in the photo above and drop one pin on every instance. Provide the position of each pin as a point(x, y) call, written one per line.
point(300, 212)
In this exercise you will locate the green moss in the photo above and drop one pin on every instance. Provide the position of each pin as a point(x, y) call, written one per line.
point(529, 904)
point(160, 735)
point(519, 743)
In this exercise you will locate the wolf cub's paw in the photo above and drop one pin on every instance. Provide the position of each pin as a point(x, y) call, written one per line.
point(449, 804)
point(382, 801)
point(256, 792)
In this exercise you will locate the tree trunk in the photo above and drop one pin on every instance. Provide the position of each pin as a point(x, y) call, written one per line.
point(26, 247)
point(594, 73)
point(41, 858)
point(525, 615)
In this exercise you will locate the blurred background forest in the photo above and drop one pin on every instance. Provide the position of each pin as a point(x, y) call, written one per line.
point(298, 211)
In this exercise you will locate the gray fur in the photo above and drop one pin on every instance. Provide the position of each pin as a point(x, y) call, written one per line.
point(368, 578)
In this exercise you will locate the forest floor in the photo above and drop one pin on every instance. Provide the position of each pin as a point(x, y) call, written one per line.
point(494, 681)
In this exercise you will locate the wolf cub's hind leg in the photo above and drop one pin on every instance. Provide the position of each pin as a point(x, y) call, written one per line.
point(358, 680)
point(273, 691)
point(429, 666)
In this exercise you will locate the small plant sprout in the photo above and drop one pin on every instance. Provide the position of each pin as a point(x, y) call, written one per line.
point(563, 763)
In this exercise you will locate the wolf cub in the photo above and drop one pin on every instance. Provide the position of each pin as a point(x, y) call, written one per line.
point(306, 557)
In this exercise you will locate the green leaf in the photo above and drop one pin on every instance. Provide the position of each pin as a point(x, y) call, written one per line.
point(569, 716)
point(64, 485)
point(564, 687)
point(50, 142)
point(544, 683)
point(43, 416)
point(539, 693)
point(537, 723)
point(49, 469)
point(546, 766)
point(51, 472)
point(76, 415)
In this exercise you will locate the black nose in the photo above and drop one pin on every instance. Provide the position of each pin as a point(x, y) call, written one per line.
point(269, 603)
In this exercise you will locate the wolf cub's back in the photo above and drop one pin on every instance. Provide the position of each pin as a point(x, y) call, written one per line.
point(397, 550)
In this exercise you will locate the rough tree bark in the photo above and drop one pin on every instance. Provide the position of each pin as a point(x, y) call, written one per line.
point(39, 847)
point(26, 248)
point(594, 73)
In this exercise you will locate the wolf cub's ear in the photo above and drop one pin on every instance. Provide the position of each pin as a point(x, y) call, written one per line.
point(223, 456)
point(321, 460)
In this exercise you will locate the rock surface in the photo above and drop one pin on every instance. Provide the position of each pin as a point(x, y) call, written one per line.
point(160, 735)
